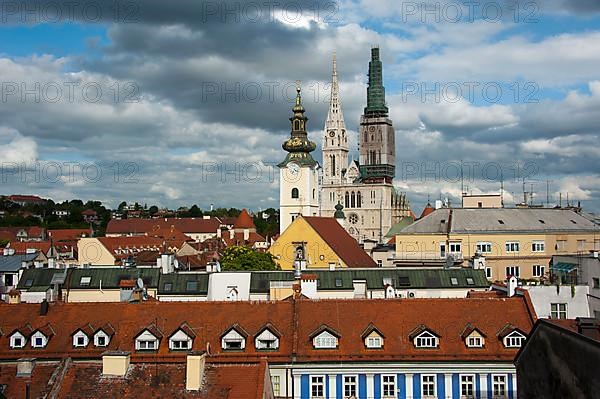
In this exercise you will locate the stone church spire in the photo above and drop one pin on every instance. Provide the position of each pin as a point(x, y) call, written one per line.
point(335, 117)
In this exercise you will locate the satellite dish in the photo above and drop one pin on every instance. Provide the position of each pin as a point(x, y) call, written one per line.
point(140, 283)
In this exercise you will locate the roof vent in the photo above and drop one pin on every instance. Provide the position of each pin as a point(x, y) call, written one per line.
point(541, 221)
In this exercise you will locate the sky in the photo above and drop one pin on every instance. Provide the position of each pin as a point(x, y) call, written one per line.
point(187, 102)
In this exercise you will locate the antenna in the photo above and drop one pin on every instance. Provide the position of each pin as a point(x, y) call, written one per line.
point(502, 190)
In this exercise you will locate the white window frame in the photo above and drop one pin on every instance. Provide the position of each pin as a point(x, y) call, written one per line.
point(374, 342)
point(561, 245)
point(485, 247)
point(233, 336)
point(35, 337)
point(104, 335)
point(499, 386)
point(317, 381)
point(538, 270)
point(19, 336)
point(467, 381)
point(488, 272)
point(325, 340)
point(276, 384)
point(426, 340)
point(428, 383)
point(558, 309)
point(76, 336)
point(514, 340)
point(349, 386)
point(512, 246)
point(581, 245)
point(475, 341)
point(538, 246)
point(388, 385)
point(455, 247)
point(443, 250)
point(261, 340)
point(146, 341)
point(513, 271)
point(180, 341)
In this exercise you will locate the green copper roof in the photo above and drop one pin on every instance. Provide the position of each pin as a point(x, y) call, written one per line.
point(339, 213)
point(298, 145)
point(376, 92)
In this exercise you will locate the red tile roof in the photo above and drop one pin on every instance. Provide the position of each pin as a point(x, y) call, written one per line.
point(144, 226)
point(68, 234)
point(427, 210)
point(22, 247)
point(244, 221)
point(395, 319)
point(340, 241)
point(132, 242)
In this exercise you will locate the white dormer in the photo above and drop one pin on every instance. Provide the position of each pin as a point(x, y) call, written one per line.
point(426, 339)
point(182, 338)
point(39, 340)
point(372, 337)
point(267, 340)
point(233, 340)
point(146, 341)
point(17, 340)
point(80, 339)
point(474, 340)
point(101, 339)
point(514, 340)
point(325, 340)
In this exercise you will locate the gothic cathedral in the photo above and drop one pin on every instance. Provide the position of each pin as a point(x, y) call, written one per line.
point(364, 188)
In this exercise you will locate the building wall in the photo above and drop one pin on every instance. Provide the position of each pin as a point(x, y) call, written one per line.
point(486, 201)
point(307, 203)
point(220, 284)
point(91, 251)
point(427, 246)
point(297, 380)
point(95, 295)
point(576, 299)
point(284, 249)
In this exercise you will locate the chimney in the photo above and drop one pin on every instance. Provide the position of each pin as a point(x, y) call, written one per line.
point(589, 327)
point(115, 363)
point(194, 371)
point(44, 307)
point(14, 296)
point(25, 367)
point(512, 286)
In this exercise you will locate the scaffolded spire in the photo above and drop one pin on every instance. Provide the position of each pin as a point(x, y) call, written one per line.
point(376, 92)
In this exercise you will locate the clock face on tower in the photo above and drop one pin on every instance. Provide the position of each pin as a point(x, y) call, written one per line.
point(294, 168)
point(331, 133)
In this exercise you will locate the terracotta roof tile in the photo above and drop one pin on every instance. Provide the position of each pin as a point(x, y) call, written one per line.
point(244, 221)
point(68, 234)
point(340, 241)
point(22, 247)
point(144, 226)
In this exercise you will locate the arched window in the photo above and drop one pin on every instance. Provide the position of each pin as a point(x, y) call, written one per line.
point(366, 137)
point(347, 200)
point(295, 193)
point(296, 125)
point(353, 200)
point(358, 199)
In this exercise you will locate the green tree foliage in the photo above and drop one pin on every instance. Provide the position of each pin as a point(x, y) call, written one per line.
point(242, 258)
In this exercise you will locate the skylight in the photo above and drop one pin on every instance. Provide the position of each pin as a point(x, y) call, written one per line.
point(85, 280)
point(191, 286)
point(470, 281)
point(454, 281)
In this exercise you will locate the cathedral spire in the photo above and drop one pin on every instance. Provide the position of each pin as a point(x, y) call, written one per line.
point(335, 117)
point(376, 92)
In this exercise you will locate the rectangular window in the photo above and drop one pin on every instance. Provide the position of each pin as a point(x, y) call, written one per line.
point(561, 245)
point(474, 342)
point(388, 386)
point(168, 287)
point(484, 247)
point(179, 344)
point(558, 310)
point(580, 245)
point(428, 386)
point(538, 270)
point(512, 246)
point(426, 341)
point(350, 386)
point(467, 386)
point(379, 263)
point(514, 340)
point(276, 382)
point(39, 342)
point(80, 341)
point(596, 282)
point(374, 342)
point(499, 386)
point(17, 343)
point(455, 247)
point(8, 280)
point(442, 250)
point(317, 387)
point(488, 272)
point(101, 340)
point(233, 344)
point(146, 345)
point(538, 246)
point(513, 271)
point(596, 245)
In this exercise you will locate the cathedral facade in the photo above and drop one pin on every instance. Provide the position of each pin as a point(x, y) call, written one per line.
point(365, 188)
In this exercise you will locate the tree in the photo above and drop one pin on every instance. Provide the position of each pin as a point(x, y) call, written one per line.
point(153, 209)
point(243, 258)
point(195, 212)
point(122, 206)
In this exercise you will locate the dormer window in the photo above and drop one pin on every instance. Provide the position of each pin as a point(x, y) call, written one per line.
point(325, 338)
point(423, 337)
point(234, 339)
point(514, 340)
point(40, 337)
point(103, 335)
point(17, 340)
point(148, 339)
point(372, 337)
point(80, 339)
point(182, 338)
point(268, 339)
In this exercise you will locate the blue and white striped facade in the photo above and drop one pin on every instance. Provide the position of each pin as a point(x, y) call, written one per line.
point(295, 381)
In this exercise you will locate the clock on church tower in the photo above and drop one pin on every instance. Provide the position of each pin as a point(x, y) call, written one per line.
point(298, 173)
